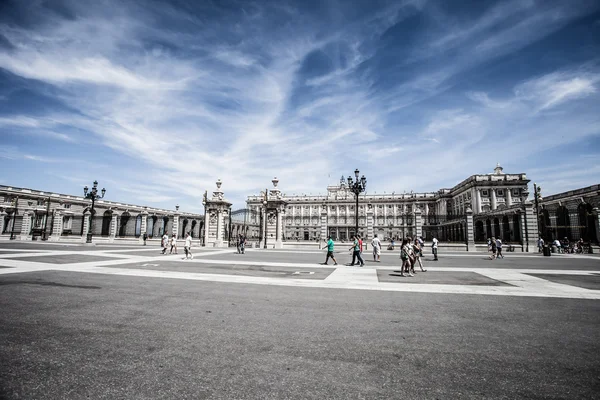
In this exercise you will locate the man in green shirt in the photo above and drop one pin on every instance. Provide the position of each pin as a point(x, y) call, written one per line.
point(329, 251)
point(356, 251)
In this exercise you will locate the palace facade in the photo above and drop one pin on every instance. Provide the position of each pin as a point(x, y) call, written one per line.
point(442, 214)
point(27, 214)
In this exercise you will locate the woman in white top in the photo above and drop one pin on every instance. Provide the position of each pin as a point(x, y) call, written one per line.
point(188, 246)
point(376, 243)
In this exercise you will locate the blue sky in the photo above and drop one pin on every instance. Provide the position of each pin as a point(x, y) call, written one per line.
point(156, 100)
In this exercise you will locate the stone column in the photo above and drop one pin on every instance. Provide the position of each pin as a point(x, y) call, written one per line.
point(57, 228)
point(143, 225)
point(478, 203)
point(369, 216)
point(324, 232)
point(114, 221)
point(2, 216)
point(508, 197)
point(418, 222)
point(86, 225)
point(493, 205)
point(470, 230)
point(596, 212)
point(176, 223)
point(26, 226)
point(531, 233)
point(279, 232)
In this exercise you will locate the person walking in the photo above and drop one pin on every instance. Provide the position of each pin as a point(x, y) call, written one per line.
point(499, 248)
point(187, 247)
point(405, 257)
point(540, 245)
point(434, 249)
point(355, 248)
point(242, 244)
point(330, 246)
point(493, 248)
point(164, 243)
point(376, 244)
point(145, 238)
point(173, 244)
point(418, 254)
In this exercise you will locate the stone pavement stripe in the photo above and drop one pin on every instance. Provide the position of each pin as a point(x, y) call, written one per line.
point(577, 293)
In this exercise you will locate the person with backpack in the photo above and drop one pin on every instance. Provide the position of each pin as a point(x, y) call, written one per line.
point(493, 248)
point(499, 248)
point(356, 251)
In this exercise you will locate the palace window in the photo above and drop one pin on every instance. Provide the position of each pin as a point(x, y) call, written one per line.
point(516, 192)
point(500, 192)
point(66, 205)
point(484, 193)
point(67, 223)
point(40, 202)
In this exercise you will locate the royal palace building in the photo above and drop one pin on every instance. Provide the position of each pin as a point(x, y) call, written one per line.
point(478, 208)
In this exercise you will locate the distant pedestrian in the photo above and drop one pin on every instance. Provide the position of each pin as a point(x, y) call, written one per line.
point(188, 246)
point(540, 245)
point(376, 244)
point(434, 248)
point(164, 243)
point(330, 246)
point(356, 252)
point(499, 248)
point(241, 244)
point(173, 244)
point(145, 238)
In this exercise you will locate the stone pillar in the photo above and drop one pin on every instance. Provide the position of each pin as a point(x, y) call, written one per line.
point(57, 228)
point(26, 226)
point(2, 216)
point(86, 225)
point(596, 212)
point(531, 233)
point(508, 197)
point(470, 230)
point(324, 232)
point(176, 223)
point(279, 233)
point(493, 205)
point(143, 225)
point(112, 234)
point(369, 216)
point(418, 223)
point(215, 211)
point(478, 203)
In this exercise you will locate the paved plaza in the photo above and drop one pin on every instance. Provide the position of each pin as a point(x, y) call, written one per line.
point(124, 322)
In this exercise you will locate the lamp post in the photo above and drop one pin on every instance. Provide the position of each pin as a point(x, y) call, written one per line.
point(14, 219)
point(92, 195)
point(357, 186)
point(265, 219)
point(537, 196)
point(45, 235)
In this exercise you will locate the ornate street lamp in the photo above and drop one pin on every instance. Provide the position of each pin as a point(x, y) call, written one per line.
point(357, 187)
point(265, 220)
point(92, 195)
point(537, 196)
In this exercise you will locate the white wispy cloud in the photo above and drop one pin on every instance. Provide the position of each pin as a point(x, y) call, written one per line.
point(198, 102)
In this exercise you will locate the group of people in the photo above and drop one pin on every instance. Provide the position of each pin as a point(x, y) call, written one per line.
point(495, 248)
point(565, 246)
point(411, 252)
point(171, 242)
